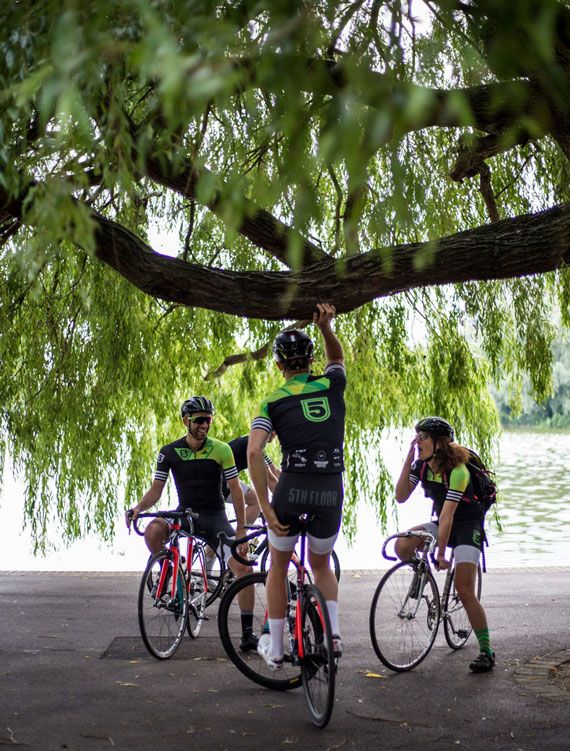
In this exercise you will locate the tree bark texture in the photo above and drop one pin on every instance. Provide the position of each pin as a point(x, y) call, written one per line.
point(522, 246)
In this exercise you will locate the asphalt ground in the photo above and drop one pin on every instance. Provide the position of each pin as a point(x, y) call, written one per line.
point(75, 675)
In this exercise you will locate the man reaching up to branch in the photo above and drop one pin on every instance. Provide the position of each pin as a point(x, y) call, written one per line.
point(307, 413)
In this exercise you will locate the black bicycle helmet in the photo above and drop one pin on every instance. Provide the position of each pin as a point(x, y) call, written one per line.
point(197, 404)
point(436, 426)
point(293, 348)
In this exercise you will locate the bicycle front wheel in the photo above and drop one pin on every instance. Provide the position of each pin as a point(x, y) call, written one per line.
point(162, 618)
point(318, 666)
point(244, 655)
point(404, 616)
point(196, 591)
point(456, 626)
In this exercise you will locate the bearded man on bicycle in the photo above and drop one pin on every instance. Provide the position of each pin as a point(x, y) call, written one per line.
point(198, 463)
point(307, 413)
point(441, 468)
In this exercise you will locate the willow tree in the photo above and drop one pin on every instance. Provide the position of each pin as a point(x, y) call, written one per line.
point(405, 160)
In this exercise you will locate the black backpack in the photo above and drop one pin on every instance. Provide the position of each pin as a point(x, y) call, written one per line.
point(484, 486)
point(482, 482)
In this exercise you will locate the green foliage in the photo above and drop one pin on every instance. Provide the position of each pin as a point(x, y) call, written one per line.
point(92, 372)
point(552, 411)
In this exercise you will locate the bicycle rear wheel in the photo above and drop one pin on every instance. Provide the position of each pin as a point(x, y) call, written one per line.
point(456, 626)
point(403, 620)
point(162, 619)
point(196, 591)
point(266, 561)
point(318, 666)
point(250, 663)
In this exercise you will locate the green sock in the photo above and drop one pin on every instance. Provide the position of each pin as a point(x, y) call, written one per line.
point(484, 640)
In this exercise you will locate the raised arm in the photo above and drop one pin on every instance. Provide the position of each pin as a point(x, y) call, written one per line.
point(322, 319)
point(404, 487)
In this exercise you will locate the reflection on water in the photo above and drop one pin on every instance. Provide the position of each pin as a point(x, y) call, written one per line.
point(534, 501)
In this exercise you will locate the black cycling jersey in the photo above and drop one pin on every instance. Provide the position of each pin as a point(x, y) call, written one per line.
point(197, 476)
point(239, 450)
point(307, 413)
point(457, 489)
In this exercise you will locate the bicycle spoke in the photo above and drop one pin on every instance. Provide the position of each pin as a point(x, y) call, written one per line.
point(404, 619)
point(162, 619)
point(230, 624)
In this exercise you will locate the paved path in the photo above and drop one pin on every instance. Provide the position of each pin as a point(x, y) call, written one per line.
point(74, 675)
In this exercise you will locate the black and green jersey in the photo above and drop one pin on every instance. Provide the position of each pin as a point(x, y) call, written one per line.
point(239, 450)
point(307, 413)
point(197, 476)
point(458, 489)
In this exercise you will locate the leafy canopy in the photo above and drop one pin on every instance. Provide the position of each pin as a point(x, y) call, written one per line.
point(284, 152)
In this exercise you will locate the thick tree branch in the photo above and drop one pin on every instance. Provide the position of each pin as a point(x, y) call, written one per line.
point(514, 247)
point(530, 244)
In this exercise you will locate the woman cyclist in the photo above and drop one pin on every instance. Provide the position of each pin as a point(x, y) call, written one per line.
point(441, 468)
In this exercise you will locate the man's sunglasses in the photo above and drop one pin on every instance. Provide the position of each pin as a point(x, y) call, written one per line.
point(202, 420)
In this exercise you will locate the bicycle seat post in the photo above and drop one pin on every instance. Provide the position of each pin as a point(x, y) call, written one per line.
point(304, 523)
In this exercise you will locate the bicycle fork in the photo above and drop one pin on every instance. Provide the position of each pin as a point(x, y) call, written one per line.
point(415, 593)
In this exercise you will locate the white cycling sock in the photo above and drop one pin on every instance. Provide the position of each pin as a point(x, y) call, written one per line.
point(276, 629)
point(332, 607)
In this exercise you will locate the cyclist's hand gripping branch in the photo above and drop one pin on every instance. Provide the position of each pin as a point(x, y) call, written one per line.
point(148, 500)
point(258, 473)
point(322, 320)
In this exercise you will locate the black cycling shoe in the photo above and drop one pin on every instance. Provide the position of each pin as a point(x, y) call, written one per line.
point(248, 642)
point(483, 663)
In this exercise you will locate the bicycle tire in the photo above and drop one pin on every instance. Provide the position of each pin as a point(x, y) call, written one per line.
point(263, 564)
point(251, 664)
point(196, 589)
point(402, 627)
point(162, 622)
point(318, 665)
point(456, 626)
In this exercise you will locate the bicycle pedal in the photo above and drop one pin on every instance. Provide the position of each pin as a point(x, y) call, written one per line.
point(462, 633)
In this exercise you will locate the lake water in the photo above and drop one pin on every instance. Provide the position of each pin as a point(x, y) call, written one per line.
point(534, 505)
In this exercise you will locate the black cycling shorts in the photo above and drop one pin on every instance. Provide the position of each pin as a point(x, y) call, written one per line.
point(319, 496)
point(209, 524)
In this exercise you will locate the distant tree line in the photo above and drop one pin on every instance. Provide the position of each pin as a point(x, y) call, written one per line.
point(554, 412)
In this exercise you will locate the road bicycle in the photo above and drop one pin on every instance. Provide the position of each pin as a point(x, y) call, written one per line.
point(174, 591)
point(308, 647)
point(406, 609)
